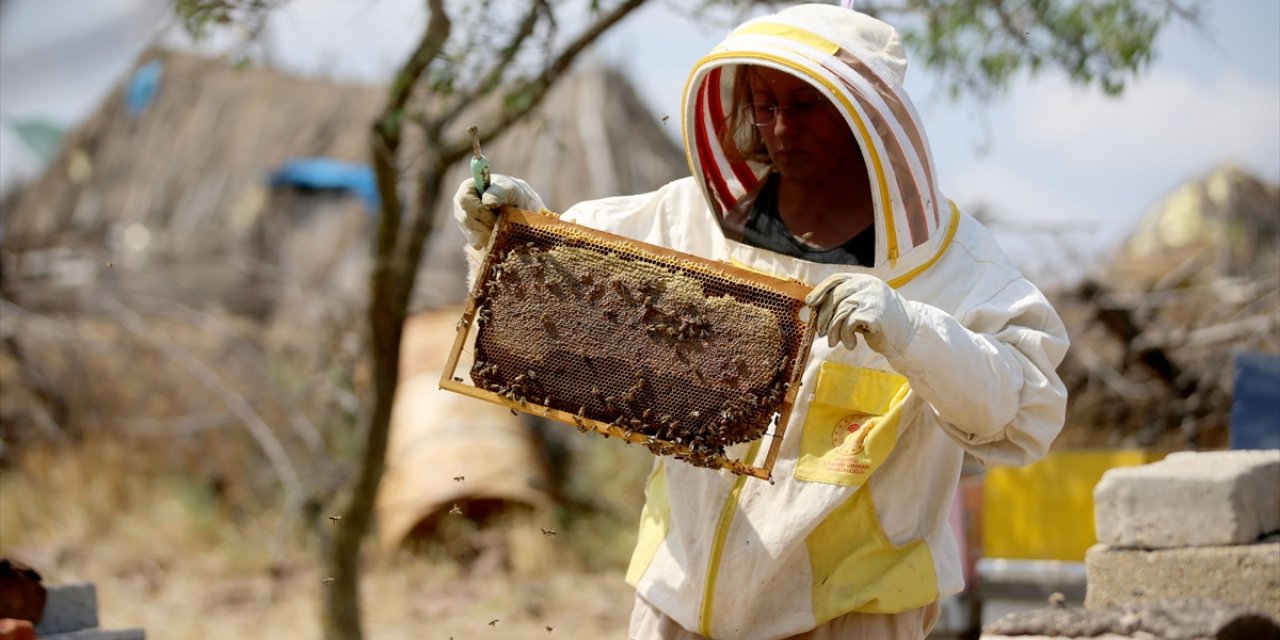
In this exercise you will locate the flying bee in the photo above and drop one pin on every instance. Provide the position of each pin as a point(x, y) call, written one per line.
point(328, 581)
point(548, 533)
point(335, 519)
point(459, 478)
point(456, 510)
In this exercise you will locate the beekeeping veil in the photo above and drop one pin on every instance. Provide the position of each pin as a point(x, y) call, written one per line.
point(858, 63)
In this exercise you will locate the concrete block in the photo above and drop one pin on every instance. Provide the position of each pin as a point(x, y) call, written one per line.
point(69, 607)
point(1246, 576)
point(1190, 499)
point(1167, 620)
point(99, 634)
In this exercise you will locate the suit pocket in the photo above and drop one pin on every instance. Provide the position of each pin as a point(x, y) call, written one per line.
point(852, 424)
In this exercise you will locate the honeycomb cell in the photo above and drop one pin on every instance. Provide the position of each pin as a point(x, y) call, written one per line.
point(649, 343)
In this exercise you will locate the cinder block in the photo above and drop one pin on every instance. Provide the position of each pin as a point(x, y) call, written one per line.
point(1247, 576)
point(99, 634)
point(1190, 499)
point(69, 607)
point(1193, 619)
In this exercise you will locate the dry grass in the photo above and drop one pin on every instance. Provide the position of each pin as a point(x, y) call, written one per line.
point(169, 555)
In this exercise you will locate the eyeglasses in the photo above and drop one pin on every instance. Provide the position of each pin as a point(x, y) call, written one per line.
point(766, 113)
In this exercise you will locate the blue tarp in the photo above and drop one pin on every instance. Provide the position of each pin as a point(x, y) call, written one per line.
point(142, 87)
point(1255, 403)
point(327, 174)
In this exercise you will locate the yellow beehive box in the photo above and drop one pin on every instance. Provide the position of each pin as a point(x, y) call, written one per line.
point(1044, 511)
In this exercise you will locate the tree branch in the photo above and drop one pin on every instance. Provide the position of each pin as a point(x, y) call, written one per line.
point(537, 87)
point(387, 129)
point(490, 79)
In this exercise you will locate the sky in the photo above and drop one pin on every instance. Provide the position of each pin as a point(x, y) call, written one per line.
point(1047, 155)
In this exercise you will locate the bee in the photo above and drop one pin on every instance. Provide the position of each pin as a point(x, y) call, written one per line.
point(457, 379)
point(514, 412)
point(456, 510)
point(328, 581)
point(665, 118)
point(493, 622)
point(459, 478)
point(549, 629)
point(547, 532)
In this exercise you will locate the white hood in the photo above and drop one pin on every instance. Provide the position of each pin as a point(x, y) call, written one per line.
point(858, 63)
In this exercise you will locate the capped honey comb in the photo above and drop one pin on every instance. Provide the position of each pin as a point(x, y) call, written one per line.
point(683, 354)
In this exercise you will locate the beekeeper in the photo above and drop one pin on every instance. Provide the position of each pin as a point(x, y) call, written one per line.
point(810, 163)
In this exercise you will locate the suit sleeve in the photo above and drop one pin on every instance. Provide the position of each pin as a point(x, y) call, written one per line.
point(991, 380)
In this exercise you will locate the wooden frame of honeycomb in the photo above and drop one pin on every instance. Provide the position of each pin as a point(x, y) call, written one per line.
point(684, 355)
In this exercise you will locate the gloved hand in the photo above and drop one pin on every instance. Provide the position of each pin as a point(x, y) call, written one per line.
point(478, 214)
point(851, 303)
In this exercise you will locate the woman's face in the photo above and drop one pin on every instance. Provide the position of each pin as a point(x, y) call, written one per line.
point(808, 141)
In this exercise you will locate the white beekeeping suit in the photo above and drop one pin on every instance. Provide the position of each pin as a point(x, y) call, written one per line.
point(856, 520)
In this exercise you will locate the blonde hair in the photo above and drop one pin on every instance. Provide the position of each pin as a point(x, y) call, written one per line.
point(740, 138)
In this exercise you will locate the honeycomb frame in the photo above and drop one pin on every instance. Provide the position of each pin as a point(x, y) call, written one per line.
point(753, 302)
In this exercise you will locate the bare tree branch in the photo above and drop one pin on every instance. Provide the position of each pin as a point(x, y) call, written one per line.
point(536, 88)
point(491, 78)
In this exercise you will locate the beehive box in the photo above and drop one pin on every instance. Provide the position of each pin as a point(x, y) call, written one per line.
point(685, 355)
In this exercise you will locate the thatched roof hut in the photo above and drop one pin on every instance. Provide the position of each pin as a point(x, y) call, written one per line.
point(176, 199)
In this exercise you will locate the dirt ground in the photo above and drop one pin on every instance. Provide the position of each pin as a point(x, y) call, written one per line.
point(206, 596)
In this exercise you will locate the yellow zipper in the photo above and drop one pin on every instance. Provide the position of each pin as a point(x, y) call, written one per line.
point(717, 546)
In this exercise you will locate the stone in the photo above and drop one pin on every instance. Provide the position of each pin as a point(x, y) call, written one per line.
point(1181, 619)
point(1246, 576)
point(1190, 499)
point(69, 607)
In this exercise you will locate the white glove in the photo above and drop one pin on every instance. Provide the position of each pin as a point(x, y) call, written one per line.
point(851, 303)
point(478, 214)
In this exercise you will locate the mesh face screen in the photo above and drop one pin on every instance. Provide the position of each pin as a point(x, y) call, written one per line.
point(609, 331)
